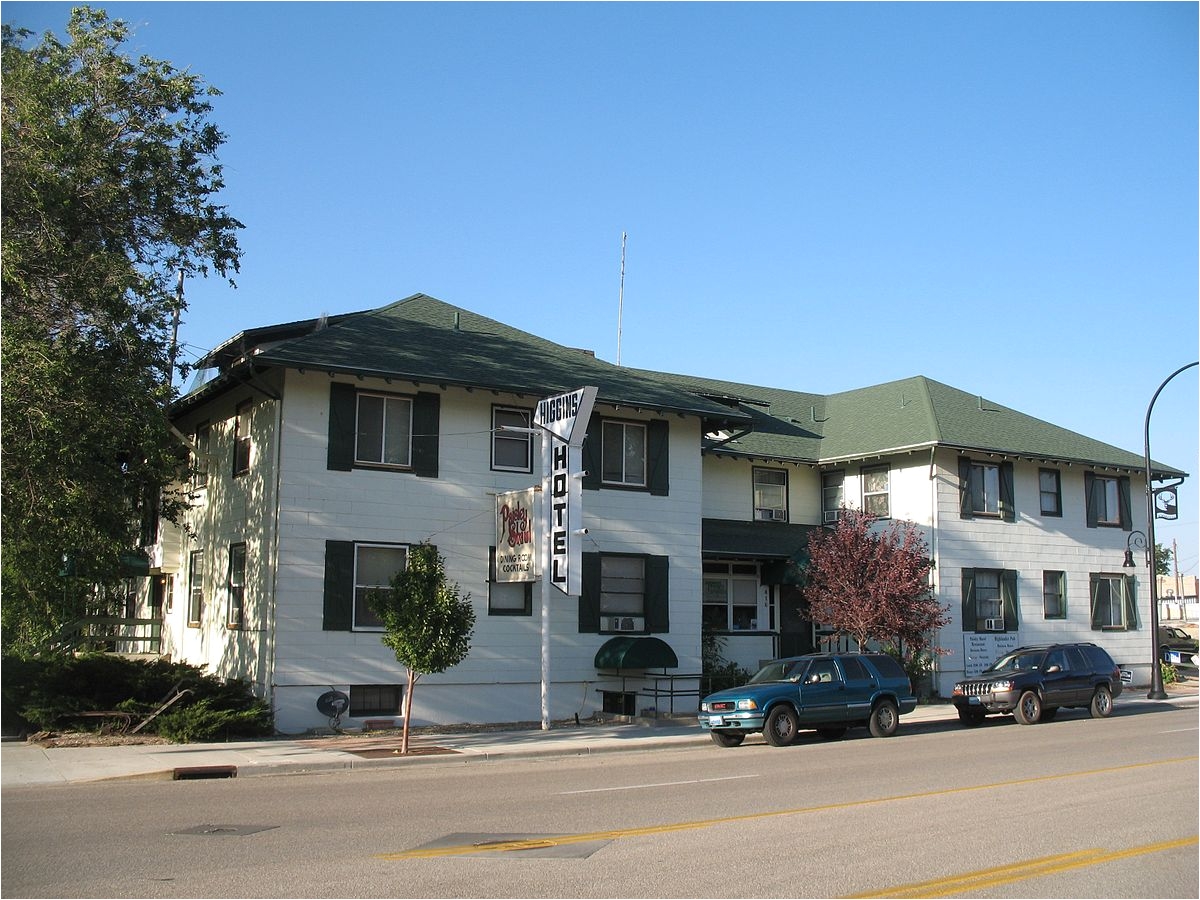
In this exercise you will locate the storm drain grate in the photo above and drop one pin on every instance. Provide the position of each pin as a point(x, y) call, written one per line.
point(224, 830)
point(510, 846)
point(183, 773)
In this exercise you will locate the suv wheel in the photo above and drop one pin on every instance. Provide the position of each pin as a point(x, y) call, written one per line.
point(727, 738)
point(1102, 703)
point(782, 726)
point(884, 719)
point(1029, 708)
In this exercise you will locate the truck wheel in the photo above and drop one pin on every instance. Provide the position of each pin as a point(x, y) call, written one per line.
point(885, 719)
point(1029, 708)
point(1102, 704)
point(782, 726)
point(727, 738)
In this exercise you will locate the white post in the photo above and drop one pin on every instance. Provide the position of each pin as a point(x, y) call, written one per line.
point(547, 500)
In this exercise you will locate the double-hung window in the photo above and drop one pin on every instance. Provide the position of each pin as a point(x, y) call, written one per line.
point(202, 439)
point(1054, 595)
point(876, 501)
point(384, 434)
point(1108, 502)
point(1114, 603)
point(623, 457)
point(989, 600)
point(241, 438)
point(507, 598)
point(512, 451)
point(1050, 492)
point(833, 496)
point(770, 495)
point(374, 566)
point(236, 614)
point(195, 587)
point(987, 489)
point(625, 592)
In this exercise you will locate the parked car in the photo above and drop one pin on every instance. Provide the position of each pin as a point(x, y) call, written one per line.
point(829, 692)
point(1176, 645)
point(1034, 683)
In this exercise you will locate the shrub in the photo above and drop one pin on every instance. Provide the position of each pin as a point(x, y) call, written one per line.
point(40, 693)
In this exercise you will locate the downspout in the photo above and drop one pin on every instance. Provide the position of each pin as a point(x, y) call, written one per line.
point(933, 552)
point(273, 567)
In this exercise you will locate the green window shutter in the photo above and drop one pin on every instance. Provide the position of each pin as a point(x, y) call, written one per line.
point(1126, 511)
point(969, 618)
point(426, 421)
point(658, 594)
point(591, 456)
point(1131, 616)
point(1008, 509)
point(339, 586)
point(658, 457)
point(966, 503)
point(342, 414)
point(589, 595)
point(1094, 586)
point(1092, 499)
point(1008, 596)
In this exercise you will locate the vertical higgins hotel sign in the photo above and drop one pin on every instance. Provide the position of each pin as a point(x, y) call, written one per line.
point(564, 420)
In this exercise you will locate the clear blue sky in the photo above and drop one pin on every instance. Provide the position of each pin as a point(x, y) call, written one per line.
point(818, 197)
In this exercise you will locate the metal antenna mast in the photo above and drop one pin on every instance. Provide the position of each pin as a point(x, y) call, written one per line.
point(621, 298)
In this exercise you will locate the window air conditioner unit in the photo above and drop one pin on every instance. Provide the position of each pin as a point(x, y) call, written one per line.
point(831, 516)
point(993, 624)
point(622, 623)
point(771, 515)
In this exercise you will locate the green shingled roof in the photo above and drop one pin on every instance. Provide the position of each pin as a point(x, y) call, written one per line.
point(425, 340)
point(911, 414)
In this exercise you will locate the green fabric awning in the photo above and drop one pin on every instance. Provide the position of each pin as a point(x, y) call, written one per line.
point(626, 652)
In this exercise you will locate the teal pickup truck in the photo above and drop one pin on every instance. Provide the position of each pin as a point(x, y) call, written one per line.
point(828, 692)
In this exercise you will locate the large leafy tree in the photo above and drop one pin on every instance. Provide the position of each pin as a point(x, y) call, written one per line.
point(871, 581)
point(426, 623)
point(109, 176)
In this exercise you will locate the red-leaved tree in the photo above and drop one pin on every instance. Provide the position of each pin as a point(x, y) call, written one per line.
point(871, 582)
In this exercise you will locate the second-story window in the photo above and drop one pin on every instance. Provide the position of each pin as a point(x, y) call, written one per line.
point(1050, 492)
point(875, 493)
point(241, 438)
point(195, 608)
point(512, 451)
point(623, 457)
point(770, 495)
point(833, 496)
point(384, 432)
point(1108, 503)
point(202, 438)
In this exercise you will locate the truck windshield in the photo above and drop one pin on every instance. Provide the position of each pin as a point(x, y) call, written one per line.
point(781, 670)
point(1018, 662)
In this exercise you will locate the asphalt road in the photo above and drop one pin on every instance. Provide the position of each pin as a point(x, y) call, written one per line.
point(1077, 807)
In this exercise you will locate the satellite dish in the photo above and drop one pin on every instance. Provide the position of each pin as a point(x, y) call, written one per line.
point(332, 704)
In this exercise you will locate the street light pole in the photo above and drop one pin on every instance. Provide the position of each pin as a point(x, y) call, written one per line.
point(1156, 682)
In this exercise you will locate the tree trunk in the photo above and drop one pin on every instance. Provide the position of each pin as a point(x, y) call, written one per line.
point(412, 682)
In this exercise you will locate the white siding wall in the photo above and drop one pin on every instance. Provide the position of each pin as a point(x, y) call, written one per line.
point(500, 679)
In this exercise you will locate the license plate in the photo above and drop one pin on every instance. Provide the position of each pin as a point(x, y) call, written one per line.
point(974, 701)
point(715, 721)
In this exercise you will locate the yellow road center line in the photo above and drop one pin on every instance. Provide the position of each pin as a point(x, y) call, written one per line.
point(616, 834)
point(955, 885)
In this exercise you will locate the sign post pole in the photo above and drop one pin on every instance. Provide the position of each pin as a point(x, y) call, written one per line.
point(562, 506)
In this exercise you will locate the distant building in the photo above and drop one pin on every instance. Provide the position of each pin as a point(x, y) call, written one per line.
point(326, 448)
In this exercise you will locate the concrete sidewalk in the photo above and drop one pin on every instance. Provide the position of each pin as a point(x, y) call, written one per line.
point(25, 764)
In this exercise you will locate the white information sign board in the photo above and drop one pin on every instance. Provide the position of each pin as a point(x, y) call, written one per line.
point(983, 649)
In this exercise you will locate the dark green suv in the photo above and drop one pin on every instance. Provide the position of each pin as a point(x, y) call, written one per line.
point(829, 692)
point(1033, 683)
